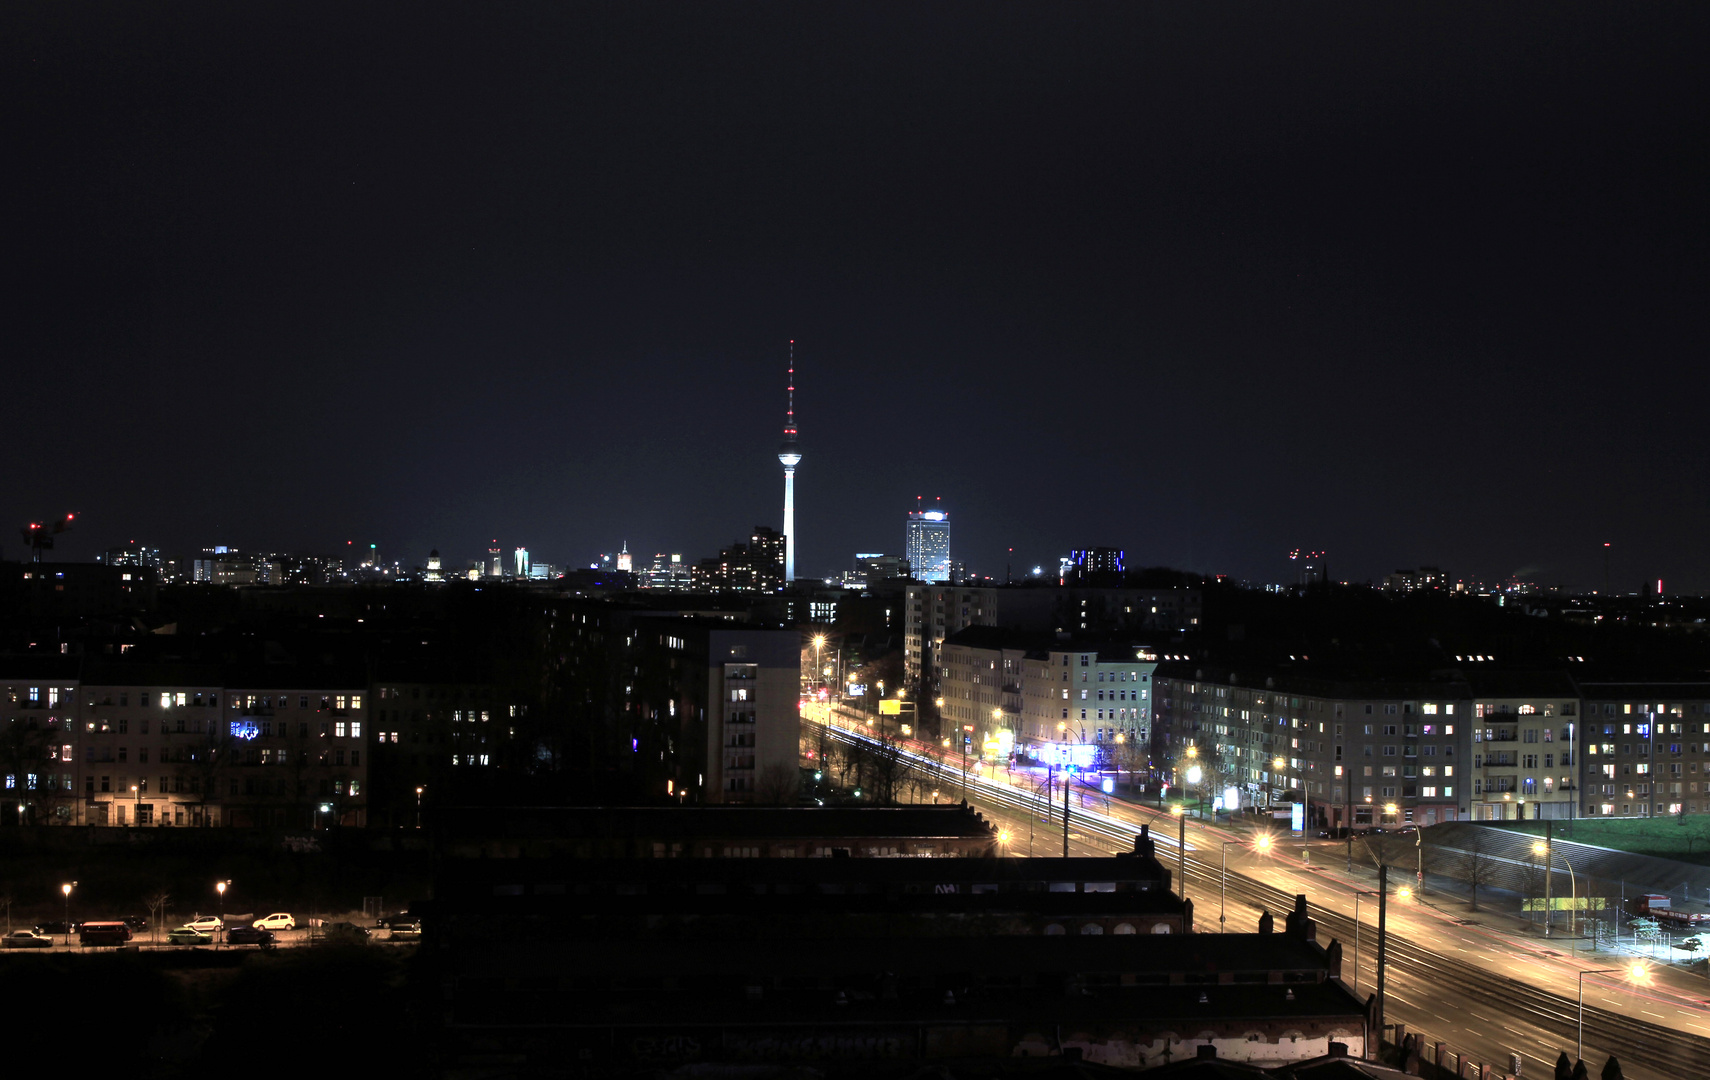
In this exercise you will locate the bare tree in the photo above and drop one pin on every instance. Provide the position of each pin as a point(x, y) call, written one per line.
point(1476, 868)
point(777, 784)
point(6, 902)
point(157, 902)
point(887, 766)
point(206, 766)
point(25, 747)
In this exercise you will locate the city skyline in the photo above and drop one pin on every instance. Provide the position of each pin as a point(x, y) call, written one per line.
point(1405, 288)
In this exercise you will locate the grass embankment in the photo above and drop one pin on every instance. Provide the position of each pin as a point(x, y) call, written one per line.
point(1684, 838)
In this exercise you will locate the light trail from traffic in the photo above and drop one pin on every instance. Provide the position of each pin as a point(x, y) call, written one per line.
point(1423, 981)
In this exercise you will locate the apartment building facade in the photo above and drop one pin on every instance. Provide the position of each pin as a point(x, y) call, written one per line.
point(1524, 739)
point(1058, 701)
point(174, 745)
point(1355, 753)
point(933, 613)
point(1645, 748)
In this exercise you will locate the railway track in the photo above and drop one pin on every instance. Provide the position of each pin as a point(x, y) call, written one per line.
point(1606, 1031)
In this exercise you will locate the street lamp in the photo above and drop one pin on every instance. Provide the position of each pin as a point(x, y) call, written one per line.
point(66, 889)
point(419, 791)
point(1261, 844)
point(1635, 973)
point(967, 733)
point(1277, 766)
point(1357, 894)
point(1181, 848)
point(1545, 851)
point(220, 887)
point(818, 644)
point(1193, 777)
point(136, 815)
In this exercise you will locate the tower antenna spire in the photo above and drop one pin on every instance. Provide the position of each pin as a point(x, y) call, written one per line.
point(790, 413)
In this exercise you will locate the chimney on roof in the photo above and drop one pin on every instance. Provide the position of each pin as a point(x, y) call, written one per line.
point(1338, 1050)
point(1144, 845)
point(1207, 1052)
point(1298, 924)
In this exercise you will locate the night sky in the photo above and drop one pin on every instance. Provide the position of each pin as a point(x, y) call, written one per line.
point(1412, 284)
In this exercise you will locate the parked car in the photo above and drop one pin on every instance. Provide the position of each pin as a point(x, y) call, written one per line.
point(189, 935)
point(406, 929)
point(137, 922)
point(346, 931)
point(26, 939)
point(207, 923)
point(111, 932)
point(277, 921)
point(56, 926)
point(249, 935)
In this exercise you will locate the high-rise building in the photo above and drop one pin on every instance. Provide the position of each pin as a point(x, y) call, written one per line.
point(435, 572)
point(497, 559)
point(790, 455)
point(1091, 565)
point(667, 572)
point(757, 566)
point(522, 562)
point(625, 561)
point(928, 544)
point(874, 567)
point(133, 555)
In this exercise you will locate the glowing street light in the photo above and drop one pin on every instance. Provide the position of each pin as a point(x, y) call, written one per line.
point(1181, 845)
point(220, 887)
point(1635, 973)
point(1544, 851)
point(1357, 894)
point(1261, 843)
point(66, 889)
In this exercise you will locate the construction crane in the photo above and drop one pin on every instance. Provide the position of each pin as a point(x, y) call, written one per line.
point(38, 536)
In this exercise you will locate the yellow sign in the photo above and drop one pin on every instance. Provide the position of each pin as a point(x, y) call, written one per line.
point(890, 707)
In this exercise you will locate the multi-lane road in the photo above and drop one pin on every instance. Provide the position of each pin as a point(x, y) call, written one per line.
point(1456, 979)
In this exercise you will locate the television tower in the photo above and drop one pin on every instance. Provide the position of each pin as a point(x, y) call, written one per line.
point(790, 455)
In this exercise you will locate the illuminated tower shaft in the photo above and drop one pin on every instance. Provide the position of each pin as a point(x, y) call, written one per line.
point(790, 455)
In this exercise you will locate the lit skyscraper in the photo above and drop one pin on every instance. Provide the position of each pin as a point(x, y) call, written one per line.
point(790, 455)
point(928, 544)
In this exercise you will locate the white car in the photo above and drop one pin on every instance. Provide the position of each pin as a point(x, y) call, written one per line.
point(277, 921)
point(207, 924)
